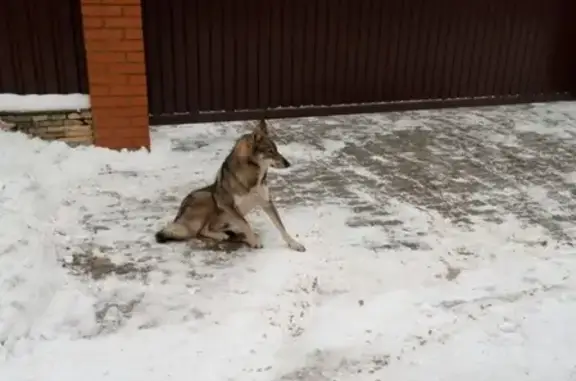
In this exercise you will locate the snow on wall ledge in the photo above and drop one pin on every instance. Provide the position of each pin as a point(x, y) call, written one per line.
point(65, 117)
point(43, 102)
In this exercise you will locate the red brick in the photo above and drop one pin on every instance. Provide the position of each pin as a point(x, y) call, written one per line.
point(134, 11)
point(133, 34)
point(134, 143)
point(123, 22)
point(102, 102)
point(101, 10)
point(104, 78)
point(108, 57)
point(121, 2)
point(118, 129)
point(98, 90)
point(106, 122)
point(119, 101)
point(137, 80)
point(103, 34)
point(139, 101)
point(140, 121)
point(135, 57)
point(128, 68)
point(127, 111)
point(117, 46)
point(116, 71)
point(128, 90)
point(92, 22)
point(122, 132)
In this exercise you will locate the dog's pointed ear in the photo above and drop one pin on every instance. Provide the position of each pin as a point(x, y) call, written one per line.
point(261, 128)
point(260, 131)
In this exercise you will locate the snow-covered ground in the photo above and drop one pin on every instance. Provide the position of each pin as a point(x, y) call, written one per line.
point(439, 247)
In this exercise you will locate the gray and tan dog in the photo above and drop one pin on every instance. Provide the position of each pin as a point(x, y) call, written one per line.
point(218, 211)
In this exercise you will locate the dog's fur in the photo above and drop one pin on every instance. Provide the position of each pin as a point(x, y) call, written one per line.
point(218, 211)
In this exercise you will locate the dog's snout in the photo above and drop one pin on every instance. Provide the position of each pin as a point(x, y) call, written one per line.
point(280, 162)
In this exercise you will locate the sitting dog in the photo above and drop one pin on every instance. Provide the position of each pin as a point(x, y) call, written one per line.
point(218, 211)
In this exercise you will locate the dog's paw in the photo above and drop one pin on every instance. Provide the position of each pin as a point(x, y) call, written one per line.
point(255, 243)
point(296, 246)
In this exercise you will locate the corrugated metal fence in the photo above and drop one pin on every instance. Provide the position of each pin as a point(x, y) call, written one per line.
point(209, 60)
point(41, 47)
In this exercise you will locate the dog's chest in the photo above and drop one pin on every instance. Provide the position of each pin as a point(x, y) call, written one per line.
point(253, 199)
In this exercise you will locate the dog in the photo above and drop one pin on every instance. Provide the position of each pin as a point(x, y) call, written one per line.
point(218, 211)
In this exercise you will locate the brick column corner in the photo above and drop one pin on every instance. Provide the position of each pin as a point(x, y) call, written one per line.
point(113, 38)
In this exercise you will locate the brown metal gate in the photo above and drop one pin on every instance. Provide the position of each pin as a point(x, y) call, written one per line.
point(41, 47)
point(235, 59)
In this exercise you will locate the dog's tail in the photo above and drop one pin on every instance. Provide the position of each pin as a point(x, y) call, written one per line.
point(173, 232)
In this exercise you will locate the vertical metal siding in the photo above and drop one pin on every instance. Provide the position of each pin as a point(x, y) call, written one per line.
point(220, 57)
point(42, 47)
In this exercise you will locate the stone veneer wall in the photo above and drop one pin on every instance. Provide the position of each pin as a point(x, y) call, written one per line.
point(74, 127)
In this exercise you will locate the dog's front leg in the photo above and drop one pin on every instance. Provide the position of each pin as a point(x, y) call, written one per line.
point(272, 213)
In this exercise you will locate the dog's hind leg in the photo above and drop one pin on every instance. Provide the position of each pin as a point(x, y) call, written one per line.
point(242, 226)
point(235, 226)
point(218, 236)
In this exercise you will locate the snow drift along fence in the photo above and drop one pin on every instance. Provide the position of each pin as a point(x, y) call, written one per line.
point(41, 47)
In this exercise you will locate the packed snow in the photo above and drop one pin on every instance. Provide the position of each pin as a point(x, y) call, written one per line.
point(43, 102)
point(349, 308)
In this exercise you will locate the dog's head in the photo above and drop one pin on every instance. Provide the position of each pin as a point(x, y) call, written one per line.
point(260, 147)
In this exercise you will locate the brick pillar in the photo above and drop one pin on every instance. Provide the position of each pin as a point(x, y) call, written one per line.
point(116, 72)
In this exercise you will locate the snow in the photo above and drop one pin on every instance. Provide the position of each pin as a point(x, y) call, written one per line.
point(343, 310)
point(43, 102)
